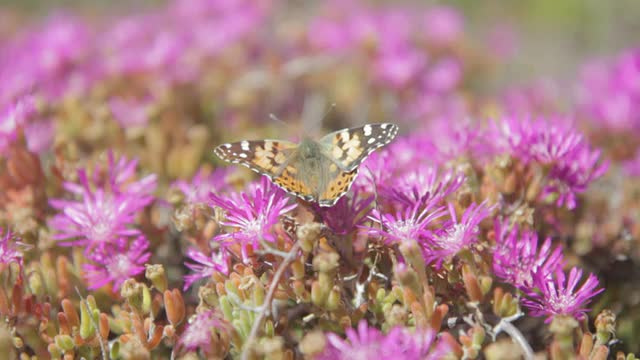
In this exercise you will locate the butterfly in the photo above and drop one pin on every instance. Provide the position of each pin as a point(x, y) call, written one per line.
point(317, 171)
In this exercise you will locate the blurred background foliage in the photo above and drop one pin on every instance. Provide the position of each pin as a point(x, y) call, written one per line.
point(550, 37)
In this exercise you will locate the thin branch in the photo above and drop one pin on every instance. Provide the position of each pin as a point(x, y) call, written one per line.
point(291, 255)
point(105, 356)
point(506, 326)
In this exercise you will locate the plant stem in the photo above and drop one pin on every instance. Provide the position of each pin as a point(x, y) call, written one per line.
point(266, 306)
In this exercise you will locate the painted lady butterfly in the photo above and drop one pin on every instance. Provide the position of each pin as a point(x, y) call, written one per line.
point(318, 171)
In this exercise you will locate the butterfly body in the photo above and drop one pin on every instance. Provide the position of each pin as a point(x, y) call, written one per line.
point(319, 171)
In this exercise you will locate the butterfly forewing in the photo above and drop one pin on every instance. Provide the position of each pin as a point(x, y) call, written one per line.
point(348, 148)
point(267, 157)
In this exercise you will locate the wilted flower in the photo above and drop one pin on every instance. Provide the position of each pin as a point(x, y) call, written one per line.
point(9, 248)
point(559, 295)
point(516, 257)
point(204, 266)
point(252, 215)
point(368, 343)
point(113, 264)
point(454, 235)
point(201, 327)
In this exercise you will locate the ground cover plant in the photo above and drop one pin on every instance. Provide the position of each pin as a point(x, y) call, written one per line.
point(495, 225)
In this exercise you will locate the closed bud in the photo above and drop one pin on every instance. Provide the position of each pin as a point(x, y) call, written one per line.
point(156, 274)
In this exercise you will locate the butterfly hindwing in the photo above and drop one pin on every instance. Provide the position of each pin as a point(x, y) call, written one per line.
point(349, 147)
point(337, 186)
point(290, 181)
point(267, 157)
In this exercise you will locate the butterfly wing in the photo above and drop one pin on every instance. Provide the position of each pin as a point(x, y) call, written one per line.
point(348, 148)
point(275, 159)
point(338, 184)
point(267, 157)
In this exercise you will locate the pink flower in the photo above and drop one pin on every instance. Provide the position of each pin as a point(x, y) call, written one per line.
point(252, 214)
point(204, 266)
point(409, 224)
point(516, 257)
point(368, 343)
point(130, 114)
point(13, 117)
point(10, 251)
point(560, 295)
point(349, 213)
point(443, 25)
point(572, 163)
point(105, 208)
point(201, 327)
point(120, 260)
point(197, 190)
point(455, 235)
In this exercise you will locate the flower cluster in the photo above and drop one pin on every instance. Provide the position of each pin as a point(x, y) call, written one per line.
point(399, 343)
point(101, 218)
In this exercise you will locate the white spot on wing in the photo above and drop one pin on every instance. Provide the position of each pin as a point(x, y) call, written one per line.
point(367, 130)
point(384, 126)
point(244, 145)
point(371, 141)
point(243, 155)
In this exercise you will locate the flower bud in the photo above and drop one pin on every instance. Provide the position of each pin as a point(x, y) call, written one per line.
point(156, 274)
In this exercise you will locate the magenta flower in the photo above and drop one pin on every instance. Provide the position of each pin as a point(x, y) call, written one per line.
point(559, 296)
point(516, 257)
point(397, 68)
point(204, 266)
point(201, 327)
point(39, 135)
point(252, 214)
point(120, 178)
point(197, 190)
point(409, 224)
point(572, 164)
point(443, 25)
point(368, 343)
point(97, 219)
point(131, 113)
point(454, 235)
point(609, 95)
point(102, 215)
point(443, 76)
point(12, 118)
point(632, 167)
point(421, 182)
point(121, 260)
point(349, 213)
point(10, 251)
